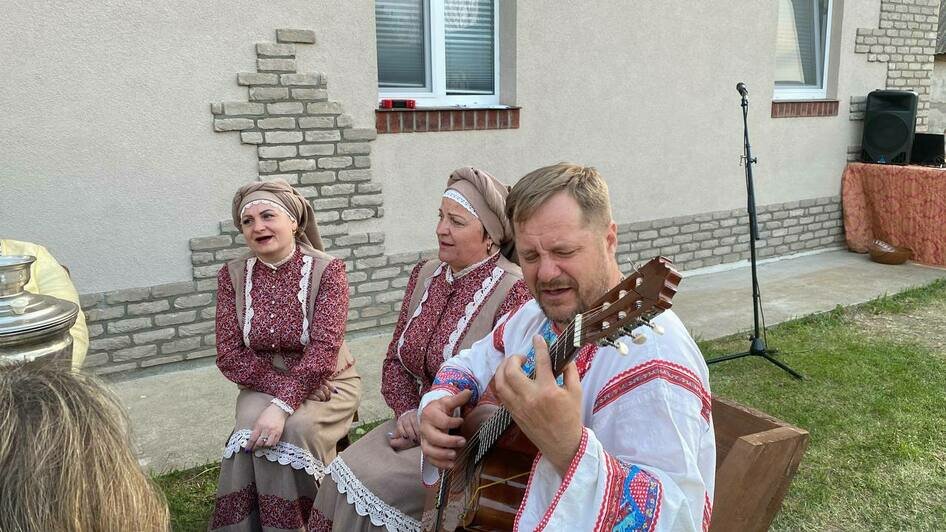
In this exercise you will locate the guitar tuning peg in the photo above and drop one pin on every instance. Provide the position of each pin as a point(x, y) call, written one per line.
point(656, 327)
point(638, 339)
point(620, 346)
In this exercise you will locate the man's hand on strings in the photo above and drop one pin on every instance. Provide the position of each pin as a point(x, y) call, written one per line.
point(549, 415)
point(436, 421)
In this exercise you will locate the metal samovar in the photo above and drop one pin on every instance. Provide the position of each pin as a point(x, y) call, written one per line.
point(32, 325)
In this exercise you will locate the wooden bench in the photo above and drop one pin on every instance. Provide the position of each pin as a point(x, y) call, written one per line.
point(756, 458)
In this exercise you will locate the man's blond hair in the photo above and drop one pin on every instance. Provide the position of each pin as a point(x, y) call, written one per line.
point(583, 183)
point(66, 456)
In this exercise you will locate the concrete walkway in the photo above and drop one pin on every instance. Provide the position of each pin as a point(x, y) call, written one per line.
point(183, 417)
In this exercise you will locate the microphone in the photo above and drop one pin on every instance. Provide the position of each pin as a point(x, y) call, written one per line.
point(743, 90)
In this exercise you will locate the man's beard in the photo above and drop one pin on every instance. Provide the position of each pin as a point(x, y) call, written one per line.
point(560, 315)
point(586, 296)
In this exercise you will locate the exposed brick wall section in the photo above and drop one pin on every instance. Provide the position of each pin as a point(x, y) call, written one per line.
point(905, 40)
point(721, 237)
point(784, 109)
point(143, 327)
point(857, 107)
point(303, 137)
point(432, 120)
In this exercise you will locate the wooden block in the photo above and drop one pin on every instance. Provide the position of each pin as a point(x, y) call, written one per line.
point(757, 457)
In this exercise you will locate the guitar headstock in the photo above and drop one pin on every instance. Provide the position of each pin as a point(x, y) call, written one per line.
point(636, 300)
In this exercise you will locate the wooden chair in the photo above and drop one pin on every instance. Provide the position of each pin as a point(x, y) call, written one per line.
point(756, 458)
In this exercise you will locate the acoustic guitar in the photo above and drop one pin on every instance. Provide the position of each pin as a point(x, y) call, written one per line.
point(485, 487)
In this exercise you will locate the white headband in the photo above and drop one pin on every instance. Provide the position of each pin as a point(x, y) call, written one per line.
point(457, 197)
point(267, 202)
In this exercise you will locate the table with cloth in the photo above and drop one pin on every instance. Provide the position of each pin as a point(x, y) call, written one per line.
point(901, 205)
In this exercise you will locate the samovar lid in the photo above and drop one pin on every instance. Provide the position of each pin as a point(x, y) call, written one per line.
point(23, 312)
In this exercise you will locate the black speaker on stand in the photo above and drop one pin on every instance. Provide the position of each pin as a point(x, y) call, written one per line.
point(889, 124)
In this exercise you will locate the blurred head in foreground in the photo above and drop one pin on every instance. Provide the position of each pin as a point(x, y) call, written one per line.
point(66, 457)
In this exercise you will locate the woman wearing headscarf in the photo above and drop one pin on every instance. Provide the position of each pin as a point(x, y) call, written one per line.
point(449, 304)
point(281, 312)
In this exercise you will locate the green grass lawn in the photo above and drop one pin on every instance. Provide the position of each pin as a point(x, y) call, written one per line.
point(874, 402)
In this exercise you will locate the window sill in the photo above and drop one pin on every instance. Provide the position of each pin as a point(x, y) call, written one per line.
point(804, 108)
point(432, 119)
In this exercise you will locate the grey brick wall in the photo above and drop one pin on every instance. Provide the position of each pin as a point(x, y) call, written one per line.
point(905, 40)
point(303, 137)
point(720, 237)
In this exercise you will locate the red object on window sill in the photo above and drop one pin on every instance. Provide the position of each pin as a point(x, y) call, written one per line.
point(393, 120)
point(398, 104)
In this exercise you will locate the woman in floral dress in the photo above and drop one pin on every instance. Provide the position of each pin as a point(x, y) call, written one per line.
point(449, 304)
point(280, 328)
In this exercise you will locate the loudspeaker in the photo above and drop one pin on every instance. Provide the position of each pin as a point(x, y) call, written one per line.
point(889, 123)
point(928, 149)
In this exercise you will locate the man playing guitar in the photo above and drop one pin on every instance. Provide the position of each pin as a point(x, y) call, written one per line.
point(626, 441)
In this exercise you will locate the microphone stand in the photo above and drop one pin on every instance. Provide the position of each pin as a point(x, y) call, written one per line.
point(758, 346)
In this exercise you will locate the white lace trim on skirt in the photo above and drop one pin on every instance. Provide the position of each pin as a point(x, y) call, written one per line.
point(283, 454)
point(368, 504)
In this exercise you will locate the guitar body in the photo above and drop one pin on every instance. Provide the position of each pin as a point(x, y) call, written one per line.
point(500, 485)
point(492, 498)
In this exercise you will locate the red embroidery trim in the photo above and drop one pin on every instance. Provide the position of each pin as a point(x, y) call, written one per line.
point(318, 522)
point(676, 374)
point(611, 483)
point(646, 491)
point(498, 343)
point(525, 496)
point(274, 511)
point(572, 467)
point(277, 512)
point(707, 513)
point(584, 358)
point(234, 507)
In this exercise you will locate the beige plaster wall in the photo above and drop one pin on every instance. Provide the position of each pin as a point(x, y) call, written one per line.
point(650, 100)
point(109, 156)
point(112, 162)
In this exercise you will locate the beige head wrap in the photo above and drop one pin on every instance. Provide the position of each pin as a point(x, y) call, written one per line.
point(279, 192)
point(487, 196)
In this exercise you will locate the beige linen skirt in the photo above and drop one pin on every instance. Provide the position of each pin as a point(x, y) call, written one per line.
point(273, 488)
point(370, 486)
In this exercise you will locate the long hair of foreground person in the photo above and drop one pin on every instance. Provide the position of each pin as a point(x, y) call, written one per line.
point(66, 462)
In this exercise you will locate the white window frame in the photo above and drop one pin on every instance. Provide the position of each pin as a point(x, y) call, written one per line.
point(810, 92)
point(434, 94)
